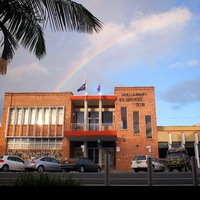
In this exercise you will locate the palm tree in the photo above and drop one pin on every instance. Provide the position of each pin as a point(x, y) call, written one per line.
point(23, 21)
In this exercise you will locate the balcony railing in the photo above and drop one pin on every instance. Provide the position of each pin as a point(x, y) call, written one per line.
point(92, 127)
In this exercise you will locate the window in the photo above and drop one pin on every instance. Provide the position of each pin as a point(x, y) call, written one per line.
point(12, 116)
point(40, 120)
point(60, 114)
point(19, 116)
point(25, 117)
point(34, 143)
point(136, 122)
point(107, 117)
point(37, 115)
point(46, 116)
point(123, 118)
point(148, 127)
point(33, 116)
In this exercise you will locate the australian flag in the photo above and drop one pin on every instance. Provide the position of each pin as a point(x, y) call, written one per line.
point(98, 88)
point(83, 87)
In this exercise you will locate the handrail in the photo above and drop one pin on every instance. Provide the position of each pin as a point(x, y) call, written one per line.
point(92, 126)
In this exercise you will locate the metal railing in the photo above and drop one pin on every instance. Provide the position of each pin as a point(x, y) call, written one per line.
point(92, 127)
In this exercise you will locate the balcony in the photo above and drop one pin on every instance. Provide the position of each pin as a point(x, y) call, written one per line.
point(92, 127)
point(91, 132)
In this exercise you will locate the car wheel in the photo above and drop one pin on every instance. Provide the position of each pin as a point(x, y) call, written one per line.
point(186, 168)
point(5, 168)
point(63, 170)
point(180, 169)
point(82, 169)
point(99, 170)
point(163, 170)
point(40, 168)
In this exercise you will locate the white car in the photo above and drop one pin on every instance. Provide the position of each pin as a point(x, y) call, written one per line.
point(11, 163)
point(140, 163)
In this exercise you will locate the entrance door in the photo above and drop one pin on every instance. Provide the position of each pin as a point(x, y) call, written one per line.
point(93, 154)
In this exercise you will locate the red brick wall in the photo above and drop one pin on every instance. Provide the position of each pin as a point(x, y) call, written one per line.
point(128, 143)
point(131, 144)
point(35, 99)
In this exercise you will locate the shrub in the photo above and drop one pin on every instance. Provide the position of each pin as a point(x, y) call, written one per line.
point(42, 179)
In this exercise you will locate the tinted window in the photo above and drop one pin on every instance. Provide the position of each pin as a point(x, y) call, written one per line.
point(19, 160)
point(54, 160)
point(174, 155)
point(140, 158)
point(11, 158)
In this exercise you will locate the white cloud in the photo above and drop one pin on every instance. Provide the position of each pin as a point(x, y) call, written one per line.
point(193, 62)
point(27, 70)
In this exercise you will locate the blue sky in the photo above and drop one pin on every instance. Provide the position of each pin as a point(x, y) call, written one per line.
point(142, 43)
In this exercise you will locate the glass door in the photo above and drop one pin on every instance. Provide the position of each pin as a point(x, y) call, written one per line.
point(93, 154)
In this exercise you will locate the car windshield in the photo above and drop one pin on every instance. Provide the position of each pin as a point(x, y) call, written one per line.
point(140, 158)
point(174, 155)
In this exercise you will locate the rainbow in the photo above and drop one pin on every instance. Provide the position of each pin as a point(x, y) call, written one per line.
point(88, 58)
point(143, 26)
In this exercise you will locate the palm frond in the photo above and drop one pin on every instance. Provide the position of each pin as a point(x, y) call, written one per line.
point(23, 21)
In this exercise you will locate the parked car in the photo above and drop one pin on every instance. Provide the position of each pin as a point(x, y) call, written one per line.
point(179, 159)
point(140, 163)
point(43, 164)
point(80, 164)
point(11, 163)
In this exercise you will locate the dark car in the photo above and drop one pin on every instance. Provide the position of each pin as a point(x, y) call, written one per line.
point(80, 164)
point(179, 159)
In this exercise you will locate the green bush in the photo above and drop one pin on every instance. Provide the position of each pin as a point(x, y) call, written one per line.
point(42, 179)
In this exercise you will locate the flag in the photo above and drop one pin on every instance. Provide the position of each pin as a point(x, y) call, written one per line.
point(83, 87)
point(98, 88)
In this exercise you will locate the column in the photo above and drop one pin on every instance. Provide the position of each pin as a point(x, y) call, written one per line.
point(169, 140)
point(85, 114)
point(196, 148)
point(183, 140)
point(100, 112)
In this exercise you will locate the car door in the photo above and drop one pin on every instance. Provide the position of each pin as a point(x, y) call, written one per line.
point(12, 163)
point(20, 164)
point(155, 164)
point(47, 164)
point(90, 167)
point(15, 164)
point(55, 165)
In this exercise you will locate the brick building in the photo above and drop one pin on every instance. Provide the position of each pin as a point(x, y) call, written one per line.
point(64, 125)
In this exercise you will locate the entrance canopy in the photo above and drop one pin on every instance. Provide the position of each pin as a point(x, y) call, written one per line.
point(91, 135)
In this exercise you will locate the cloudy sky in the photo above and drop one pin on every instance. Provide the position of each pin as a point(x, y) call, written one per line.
point(142, 43)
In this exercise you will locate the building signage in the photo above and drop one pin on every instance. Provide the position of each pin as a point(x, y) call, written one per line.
point(130, 97)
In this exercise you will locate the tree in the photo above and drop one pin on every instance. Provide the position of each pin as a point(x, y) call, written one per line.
point(22, 23)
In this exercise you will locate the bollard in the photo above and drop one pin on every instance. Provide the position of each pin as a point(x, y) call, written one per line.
point(194, 171)
point(107, 169)
point(150, 171)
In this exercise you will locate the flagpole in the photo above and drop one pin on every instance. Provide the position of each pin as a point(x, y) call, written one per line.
point(100, 106)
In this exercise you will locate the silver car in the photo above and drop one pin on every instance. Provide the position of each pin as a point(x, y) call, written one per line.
point(43, 164)
point(11, 163)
